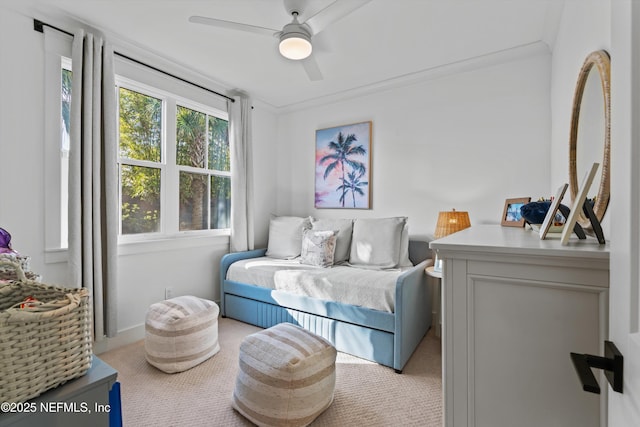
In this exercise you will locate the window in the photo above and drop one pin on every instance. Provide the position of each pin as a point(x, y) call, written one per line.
point(57, 79)
point(65, 121)
point(174, 163)
point(173, 158)
point(202, 155)
point(141, 165)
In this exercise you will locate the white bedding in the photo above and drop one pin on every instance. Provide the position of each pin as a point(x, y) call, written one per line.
point(373, 289)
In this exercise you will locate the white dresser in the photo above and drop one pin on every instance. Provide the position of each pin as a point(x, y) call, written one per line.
point(514, 307)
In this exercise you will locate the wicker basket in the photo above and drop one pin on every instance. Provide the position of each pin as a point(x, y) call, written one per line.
point(43, 344)
point(23, 260)
point(8, 272)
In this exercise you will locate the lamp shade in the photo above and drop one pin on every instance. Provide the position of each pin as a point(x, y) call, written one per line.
point(295, 46)
point(295, 40)
point(451, 221)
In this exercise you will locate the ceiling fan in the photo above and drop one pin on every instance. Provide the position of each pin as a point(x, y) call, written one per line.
point(295, 38)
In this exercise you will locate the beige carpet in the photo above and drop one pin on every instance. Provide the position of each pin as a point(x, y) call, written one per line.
point(367, 394)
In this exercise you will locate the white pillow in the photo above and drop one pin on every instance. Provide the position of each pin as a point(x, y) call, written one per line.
point(376, 242)
point(285, 236)
point(318, 247)
point(343, 238)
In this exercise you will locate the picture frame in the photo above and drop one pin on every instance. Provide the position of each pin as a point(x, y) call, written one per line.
point(576, 207)
point(511, 216)
point(551, 213)
point(343, 167)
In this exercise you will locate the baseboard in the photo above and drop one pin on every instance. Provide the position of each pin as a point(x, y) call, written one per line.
point(124, 337)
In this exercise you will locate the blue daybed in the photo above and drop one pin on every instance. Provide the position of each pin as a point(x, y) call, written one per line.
point(388, 338)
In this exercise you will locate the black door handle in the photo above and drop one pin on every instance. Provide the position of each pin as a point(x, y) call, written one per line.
point(612, 363)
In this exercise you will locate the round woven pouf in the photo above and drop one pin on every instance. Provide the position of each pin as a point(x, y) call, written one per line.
point(287, 376)
point(181, 333)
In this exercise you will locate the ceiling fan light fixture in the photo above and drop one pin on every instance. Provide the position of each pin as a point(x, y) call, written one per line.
point(295, 40)
point(295, 45)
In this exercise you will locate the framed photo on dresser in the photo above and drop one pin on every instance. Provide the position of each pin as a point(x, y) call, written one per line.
point(511, 215)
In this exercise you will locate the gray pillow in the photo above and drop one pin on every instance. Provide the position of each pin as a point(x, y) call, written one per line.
point(404, 260)
point(285, 236)
point(376, 242)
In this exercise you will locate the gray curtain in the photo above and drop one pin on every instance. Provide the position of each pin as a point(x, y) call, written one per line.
point(93, 179)
point(242, 234)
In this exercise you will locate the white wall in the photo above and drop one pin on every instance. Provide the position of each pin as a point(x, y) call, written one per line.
point(468, 140)
point(584, 27)
point(21, 133)
point(189, 266)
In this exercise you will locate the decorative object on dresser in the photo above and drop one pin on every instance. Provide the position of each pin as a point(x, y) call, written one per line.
point(590, 135)
point(551, 213)
point(580, 204)
point(343, 167)
point(511, 215)
point(449, 222)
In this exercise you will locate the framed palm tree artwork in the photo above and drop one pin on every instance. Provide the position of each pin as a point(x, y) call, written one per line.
point(343, 167)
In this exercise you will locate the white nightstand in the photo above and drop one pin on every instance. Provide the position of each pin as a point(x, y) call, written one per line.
point(437, 300)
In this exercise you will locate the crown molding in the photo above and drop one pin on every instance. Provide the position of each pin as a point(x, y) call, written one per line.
point(515, 53)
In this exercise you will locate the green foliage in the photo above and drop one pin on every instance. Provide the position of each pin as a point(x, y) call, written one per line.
point(201, 142)
point(200, 138)
point(136, 221)
point(140, 139)
point(219, 153)
point(66, 99)
point(191, 137)
point(140, 199)
point(140, 126)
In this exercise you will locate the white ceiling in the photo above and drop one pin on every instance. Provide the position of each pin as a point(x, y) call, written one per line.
point(383, 41)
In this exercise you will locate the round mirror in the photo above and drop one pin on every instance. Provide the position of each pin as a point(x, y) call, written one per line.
point(589, 141)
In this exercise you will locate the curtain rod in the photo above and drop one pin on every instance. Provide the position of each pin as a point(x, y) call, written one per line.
point(39, 26)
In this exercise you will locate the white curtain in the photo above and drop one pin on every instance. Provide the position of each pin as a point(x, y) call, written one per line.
point(93, 179)
point(242, 238)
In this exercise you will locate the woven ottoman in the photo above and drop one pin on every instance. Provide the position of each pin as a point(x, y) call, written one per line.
point(181, 333)
point(287, 376)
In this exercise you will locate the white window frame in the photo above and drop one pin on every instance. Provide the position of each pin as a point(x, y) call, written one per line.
point(182, 102)
point(139, 79)
point(57, 52)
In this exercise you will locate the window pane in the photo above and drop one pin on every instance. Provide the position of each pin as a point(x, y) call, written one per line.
point(65, 122)
point(66, 108)
point(140, 126)
point(193, 201)
point(218, 144)
point(220, 202)
point(191, 137)
point(140, 199)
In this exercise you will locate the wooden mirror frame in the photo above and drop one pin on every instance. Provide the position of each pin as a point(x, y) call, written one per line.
point(600, 59)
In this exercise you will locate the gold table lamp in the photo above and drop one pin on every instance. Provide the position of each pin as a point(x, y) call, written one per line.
point(449, 222)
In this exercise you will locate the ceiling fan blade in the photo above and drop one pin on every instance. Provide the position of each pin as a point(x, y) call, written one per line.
point(233, 25)
point(311, 67)
point(332, 13)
